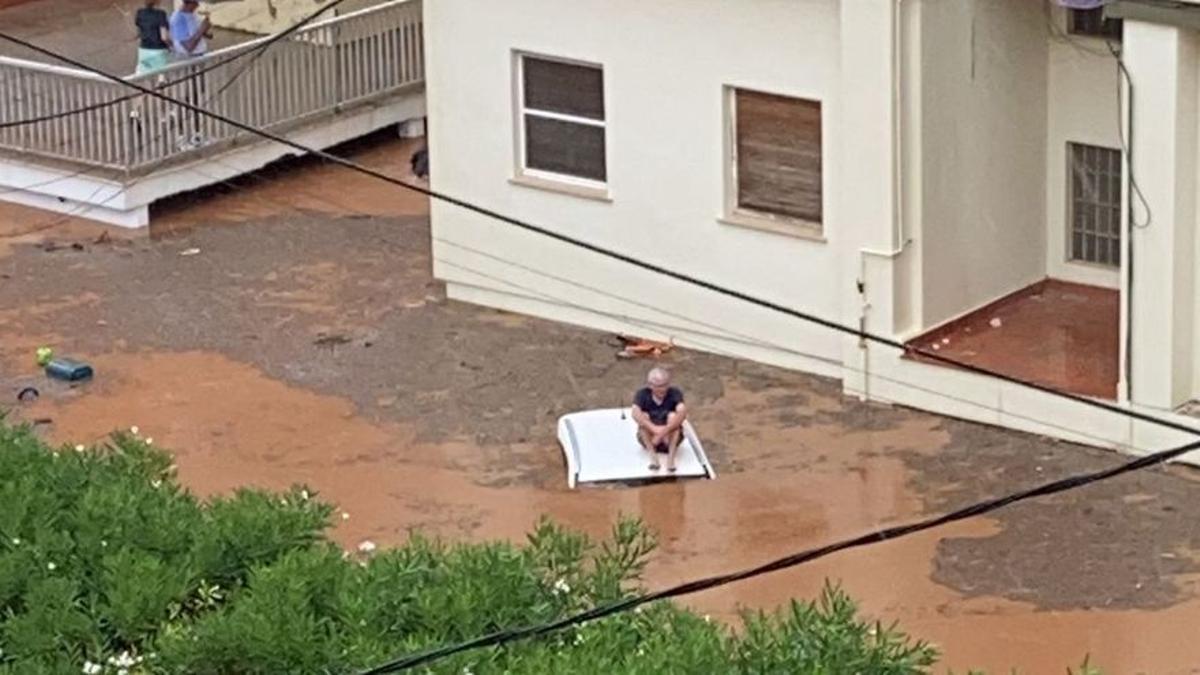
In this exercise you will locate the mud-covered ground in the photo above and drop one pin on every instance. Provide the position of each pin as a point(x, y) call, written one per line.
point(286, 329)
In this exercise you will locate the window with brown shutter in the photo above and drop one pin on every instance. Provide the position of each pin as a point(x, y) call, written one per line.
point(561, 108)
point(777, 155)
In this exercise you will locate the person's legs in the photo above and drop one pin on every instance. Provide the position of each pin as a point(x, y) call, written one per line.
point(149, 60)
point(647, 444)
point(673, 441)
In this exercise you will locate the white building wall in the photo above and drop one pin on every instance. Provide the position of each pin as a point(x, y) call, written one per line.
point(1162, 61)
point(974, 192)
point(872, 256)
point(1194, 190)
point(665, 66)
point(982, 228)
point(1082, 108)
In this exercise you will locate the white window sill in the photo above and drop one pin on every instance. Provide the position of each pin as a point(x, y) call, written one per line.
point(600, 194)
point(1095, 266)
point(790, 227)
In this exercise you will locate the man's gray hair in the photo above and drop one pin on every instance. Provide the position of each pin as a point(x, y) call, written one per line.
point(658, 374)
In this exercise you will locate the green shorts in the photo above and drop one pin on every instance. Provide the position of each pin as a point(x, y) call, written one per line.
point(152, 59)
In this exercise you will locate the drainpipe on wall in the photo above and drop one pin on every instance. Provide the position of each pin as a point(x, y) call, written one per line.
point(1131, 217)
point(899, 241)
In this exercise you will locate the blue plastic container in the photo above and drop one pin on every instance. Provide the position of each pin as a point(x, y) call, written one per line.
point(69, 370)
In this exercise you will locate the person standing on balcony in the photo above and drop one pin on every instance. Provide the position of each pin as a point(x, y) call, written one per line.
point(154, 38)
point(189, 38)
point(188, 31)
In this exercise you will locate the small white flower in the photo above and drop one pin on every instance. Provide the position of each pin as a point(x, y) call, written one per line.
point(467, 670)
point(134, 430)
point(149, 441)
point(80, 448)
point(16, 541)
point(366, 546)
point(51, 566)
point(123, 671)
point(561, 587)
point(304, 495)
point(90, 668)
point(283, 502)
point(707, 619)
point(345, 516)
point(103, 543)
point(156, 483)
point(637, 610)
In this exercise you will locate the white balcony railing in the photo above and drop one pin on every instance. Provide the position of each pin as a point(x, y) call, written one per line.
point(318, 70)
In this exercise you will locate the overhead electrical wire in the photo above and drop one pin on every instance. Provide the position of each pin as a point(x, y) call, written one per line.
point(617, 255)
point(217, 63)
point(877, 536)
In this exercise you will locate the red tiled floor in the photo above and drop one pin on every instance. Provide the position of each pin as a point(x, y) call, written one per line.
point(1054, 333)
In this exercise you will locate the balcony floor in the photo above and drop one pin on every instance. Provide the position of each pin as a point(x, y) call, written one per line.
point(1055, 333)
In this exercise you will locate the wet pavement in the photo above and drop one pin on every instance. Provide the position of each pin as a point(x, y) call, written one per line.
point(305, 342)
point(1059, 334)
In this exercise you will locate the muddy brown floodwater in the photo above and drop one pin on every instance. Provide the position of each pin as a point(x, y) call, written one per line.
point(306, 342)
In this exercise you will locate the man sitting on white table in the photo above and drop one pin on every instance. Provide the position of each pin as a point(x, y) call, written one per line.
point(659, 412)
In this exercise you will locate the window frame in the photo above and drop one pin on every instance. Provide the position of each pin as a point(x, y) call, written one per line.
point(522, 172)
point(1069, 230)
point(736, 214)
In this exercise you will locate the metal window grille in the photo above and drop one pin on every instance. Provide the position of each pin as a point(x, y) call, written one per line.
point(1095, 204)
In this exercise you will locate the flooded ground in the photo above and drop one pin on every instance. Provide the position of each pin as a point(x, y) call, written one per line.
point(301, 339)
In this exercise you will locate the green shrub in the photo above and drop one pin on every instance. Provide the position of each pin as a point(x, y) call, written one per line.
point(108, 566)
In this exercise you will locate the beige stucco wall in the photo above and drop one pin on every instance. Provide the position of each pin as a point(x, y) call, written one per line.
point(665, 67)
point(988, 101)
point(1164, 64)
point(1082, 108)
point(984, 101)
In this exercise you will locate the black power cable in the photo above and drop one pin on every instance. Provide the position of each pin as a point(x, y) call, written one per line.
point(616, 255)
point(258, 50)
point(878, 536)
point(871, 538)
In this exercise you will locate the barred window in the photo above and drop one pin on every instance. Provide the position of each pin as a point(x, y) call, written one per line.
point(1095, 204)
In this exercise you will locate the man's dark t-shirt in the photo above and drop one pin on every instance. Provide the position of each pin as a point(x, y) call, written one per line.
point(151, 22)
point(658, 412)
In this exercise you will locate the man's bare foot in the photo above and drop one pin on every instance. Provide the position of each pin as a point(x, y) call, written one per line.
point(654, 466)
